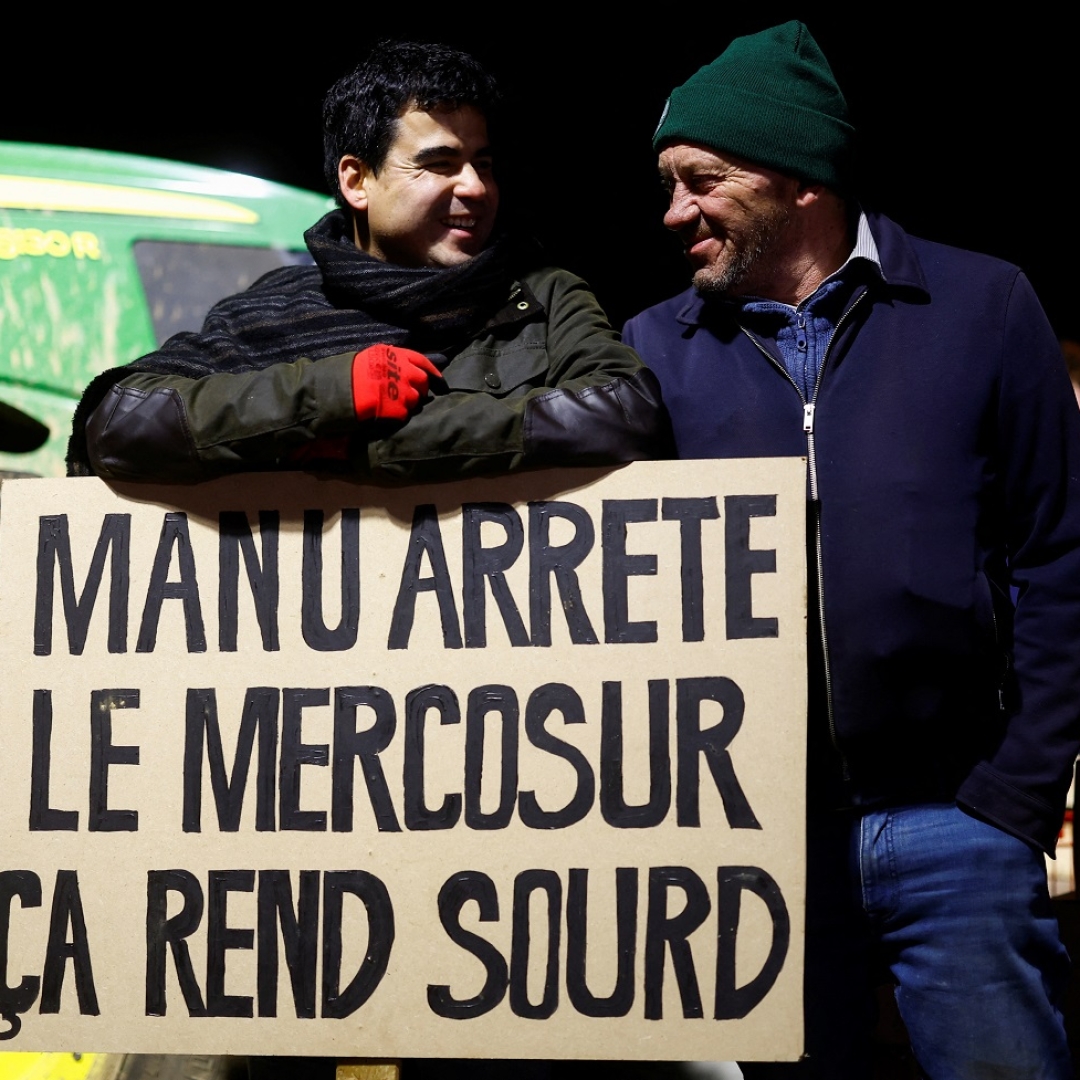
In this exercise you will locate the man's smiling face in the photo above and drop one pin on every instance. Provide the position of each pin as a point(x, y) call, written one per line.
point(434, 200)
point(734, 218)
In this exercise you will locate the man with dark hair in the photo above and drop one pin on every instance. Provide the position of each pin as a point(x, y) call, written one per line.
point(361, 110)
point(925, 388)
point(423, 344)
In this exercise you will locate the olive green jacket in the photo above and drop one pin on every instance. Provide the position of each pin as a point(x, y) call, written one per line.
point(545, 382)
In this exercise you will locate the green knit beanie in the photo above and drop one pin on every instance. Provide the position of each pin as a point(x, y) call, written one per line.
point(770, 98)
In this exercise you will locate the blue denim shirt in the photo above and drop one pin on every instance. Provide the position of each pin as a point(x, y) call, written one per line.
point(802, 333)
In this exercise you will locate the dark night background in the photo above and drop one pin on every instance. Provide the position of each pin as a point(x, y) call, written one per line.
point(967, 126)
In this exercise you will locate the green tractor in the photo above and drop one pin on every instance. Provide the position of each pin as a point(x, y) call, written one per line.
point(102, 257)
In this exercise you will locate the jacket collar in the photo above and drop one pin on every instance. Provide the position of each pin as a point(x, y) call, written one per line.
point(899, 264)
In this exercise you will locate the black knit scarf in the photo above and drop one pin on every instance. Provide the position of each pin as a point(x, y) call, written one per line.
point(426, 302)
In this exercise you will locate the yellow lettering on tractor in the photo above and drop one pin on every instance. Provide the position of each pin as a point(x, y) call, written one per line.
point(55, 242)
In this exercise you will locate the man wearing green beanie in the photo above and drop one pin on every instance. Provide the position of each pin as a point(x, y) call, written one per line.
point(926, 389)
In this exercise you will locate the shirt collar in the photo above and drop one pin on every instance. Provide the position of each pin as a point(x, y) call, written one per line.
point(865, 250)
point(865, 246)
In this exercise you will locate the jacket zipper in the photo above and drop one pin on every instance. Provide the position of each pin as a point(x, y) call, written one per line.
point(809, 408)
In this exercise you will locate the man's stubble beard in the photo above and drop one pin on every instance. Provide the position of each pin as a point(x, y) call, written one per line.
point(750, 250)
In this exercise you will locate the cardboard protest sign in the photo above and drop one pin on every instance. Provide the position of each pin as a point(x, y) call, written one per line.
point(506, 768)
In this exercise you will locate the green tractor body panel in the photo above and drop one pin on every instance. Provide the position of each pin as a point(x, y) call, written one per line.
point(102, 257)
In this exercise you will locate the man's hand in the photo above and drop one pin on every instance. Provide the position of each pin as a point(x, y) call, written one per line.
point(388, 382)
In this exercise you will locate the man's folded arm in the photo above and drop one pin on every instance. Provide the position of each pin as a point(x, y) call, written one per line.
point(599, 405)
point(176, 429)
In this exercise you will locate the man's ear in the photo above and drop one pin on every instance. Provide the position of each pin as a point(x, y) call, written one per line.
point(808, 193)
point(353, 176)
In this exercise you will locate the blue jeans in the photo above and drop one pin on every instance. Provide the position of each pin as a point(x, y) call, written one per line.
point(958, 912)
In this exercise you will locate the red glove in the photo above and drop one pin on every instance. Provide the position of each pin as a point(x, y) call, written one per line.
point(388, 382)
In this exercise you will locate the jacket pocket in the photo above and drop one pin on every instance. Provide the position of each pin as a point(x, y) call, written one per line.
point(502, 372)
point(993, 614)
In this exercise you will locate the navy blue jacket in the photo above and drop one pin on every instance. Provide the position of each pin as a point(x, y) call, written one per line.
point(945, 465)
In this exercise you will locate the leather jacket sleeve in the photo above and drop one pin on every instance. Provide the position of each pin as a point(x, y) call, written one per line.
point(546, 383)
point(176, 429)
